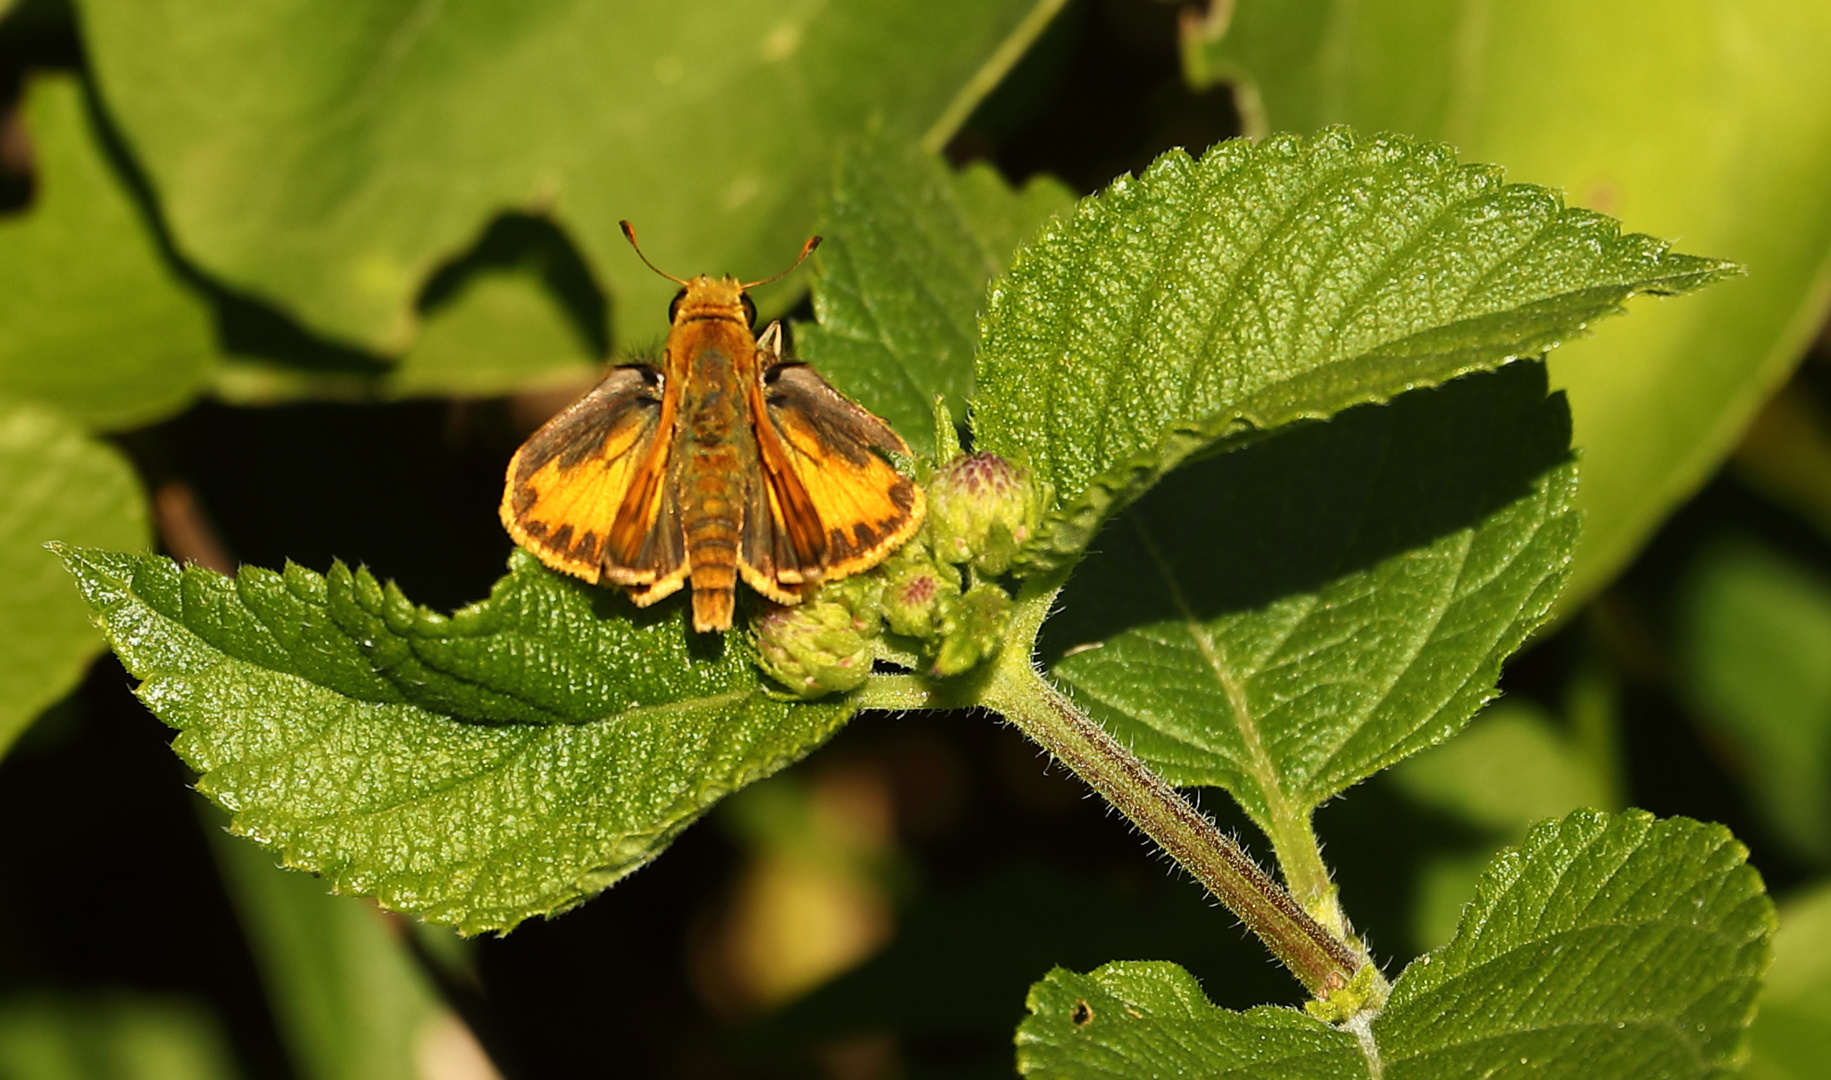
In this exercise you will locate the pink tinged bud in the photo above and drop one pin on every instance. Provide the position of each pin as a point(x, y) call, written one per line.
point(818, 647)
point(981, 510)
point(915, 591)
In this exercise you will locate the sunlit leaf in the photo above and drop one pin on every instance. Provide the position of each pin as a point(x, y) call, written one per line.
point(506, 761)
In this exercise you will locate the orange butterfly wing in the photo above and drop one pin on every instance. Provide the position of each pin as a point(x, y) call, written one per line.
point(588, 493)
point(833, 505)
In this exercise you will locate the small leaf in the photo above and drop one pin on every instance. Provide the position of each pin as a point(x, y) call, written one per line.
point(506, 761)
point(92, 317)
point(1286, 620)
point(1602, 948)
point(1149, 1018)
point(1754, 632)
point(910, 247)
point(1205, 302)
point(56, 483)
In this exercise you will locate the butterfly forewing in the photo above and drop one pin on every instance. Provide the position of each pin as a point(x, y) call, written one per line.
point(582, 490)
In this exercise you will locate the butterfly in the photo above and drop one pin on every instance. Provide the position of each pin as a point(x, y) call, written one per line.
point(726, 461)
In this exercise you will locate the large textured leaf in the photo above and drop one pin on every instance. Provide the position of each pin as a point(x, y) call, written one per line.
point(92, 318)
point(911, 246)
point(1697, 119)
point(1286, 620)
point(1755, 655)
point(56, 483)
point(1601, 948)
point(507, 761)
point(328, 164)
point(1205, 301)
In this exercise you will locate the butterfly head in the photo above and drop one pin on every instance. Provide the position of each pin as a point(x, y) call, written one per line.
point(706, 297)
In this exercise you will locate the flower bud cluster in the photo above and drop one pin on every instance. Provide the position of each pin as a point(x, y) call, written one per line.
point(935, 591)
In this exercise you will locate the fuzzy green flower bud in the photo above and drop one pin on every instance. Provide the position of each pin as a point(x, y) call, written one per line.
point(916, 591)
point(972, 628)
point(819, 646)
point(981, 510)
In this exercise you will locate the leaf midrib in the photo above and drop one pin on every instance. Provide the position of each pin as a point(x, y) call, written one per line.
point(1258, 762)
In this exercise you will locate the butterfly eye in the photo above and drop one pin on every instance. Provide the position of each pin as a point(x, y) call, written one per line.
point(674, 307)
point(750, 309)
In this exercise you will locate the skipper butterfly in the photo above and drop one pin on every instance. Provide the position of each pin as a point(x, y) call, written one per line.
point(726, 461)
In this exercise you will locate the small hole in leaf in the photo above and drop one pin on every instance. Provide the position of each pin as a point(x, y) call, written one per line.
point(1082, 1015)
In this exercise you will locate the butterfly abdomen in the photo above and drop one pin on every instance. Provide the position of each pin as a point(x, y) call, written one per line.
point(715, 474)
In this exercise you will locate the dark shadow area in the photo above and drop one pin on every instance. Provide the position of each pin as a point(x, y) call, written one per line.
point(536, 246)
point(1307, 505)
point(408, 490)
point(110, 885)
point(37, 35)
point(1100, 93)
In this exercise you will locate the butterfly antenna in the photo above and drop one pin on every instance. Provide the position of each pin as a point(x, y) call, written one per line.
point(629, 233)
point(806, 250)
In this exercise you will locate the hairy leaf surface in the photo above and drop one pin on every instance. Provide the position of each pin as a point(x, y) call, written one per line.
point(1286, 620)
point(1205, 302)
point(506, 761)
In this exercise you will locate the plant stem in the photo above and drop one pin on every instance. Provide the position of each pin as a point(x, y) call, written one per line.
point(1300, 861)
point(1320, 960)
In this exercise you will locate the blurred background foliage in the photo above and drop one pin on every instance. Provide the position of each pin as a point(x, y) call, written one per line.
point(280, 281)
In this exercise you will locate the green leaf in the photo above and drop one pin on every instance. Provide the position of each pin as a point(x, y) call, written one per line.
point(1147, 1018)
point(1286, 646)
point(1602, 947)
point(1687, 118)
point(912, 245)
point(111, 1037)
point(92, 317)
point(56, 483)
point(1754, 631)
point(1204, 303)
point(329, 165)
point(1788, 1038)
point(519, 312)
point(506, 761)
point(348, 997)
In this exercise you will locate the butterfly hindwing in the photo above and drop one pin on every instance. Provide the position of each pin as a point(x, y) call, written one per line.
point(836, 504)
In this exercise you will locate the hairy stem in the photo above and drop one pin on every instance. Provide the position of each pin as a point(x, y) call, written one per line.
point(1319, 959)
